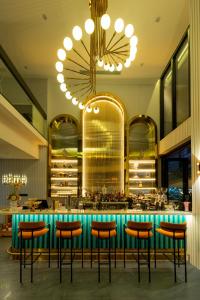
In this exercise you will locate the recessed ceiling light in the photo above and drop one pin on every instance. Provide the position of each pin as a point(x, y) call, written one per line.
point(44, 17)
point(157, 20)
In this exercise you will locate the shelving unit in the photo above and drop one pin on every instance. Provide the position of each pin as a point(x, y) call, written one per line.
point(64, 177)
point(142, 176)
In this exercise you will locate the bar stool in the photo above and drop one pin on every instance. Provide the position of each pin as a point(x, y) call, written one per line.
point(30, 231)
point(139, 231)
point(103, 231)
point(176, 232)
point(67, 231)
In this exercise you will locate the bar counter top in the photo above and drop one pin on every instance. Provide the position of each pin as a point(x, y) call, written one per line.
point(7, 211)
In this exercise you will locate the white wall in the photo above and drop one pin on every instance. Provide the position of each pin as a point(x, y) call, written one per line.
point(139, 97)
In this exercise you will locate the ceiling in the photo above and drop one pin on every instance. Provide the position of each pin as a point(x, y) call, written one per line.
point(32, 31)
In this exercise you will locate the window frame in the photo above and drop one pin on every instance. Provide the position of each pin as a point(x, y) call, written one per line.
point(172, 64)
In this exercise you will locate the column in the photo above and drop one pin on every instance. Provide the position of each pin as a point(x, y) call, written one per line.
point(195, 128)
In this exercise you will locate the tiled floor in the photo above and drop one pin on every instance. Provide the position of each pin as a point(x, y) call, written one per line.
point(85, 286)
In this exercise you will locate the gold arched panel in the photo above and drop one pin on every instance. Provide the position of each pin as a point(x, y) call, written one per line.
point(142, 153)
point(103, 147)
point(63, 156)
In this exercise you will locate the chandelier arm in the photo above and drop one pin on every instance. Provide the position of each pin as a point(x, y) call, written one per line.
point(76, 78)
point(88, 91)
point(76, 72)
point(69, 59)
point(121, 38)
point(85, 48)
point(108, 58)
point(82, 89)
point(81, 56)
point(120, 47)
point(114, 34)
point(118, 56)
point(77, 84)
point(121, 52)
point(115, 62)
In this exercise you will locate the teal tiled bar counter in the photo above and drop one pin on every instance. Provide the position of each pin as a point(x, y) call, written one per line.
point(86, 218)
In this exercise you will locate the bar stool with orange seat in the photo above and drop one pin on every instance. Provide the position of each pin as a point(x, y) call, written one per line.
point(176, 232)
point(103, 231)
point(67, 231)
point(30, 231)
point(139, 231)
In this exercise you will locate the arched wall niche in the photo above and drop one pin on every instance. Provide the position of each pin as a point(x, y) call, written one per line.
point(142, 154)
point(64, 149)
point(103, 145)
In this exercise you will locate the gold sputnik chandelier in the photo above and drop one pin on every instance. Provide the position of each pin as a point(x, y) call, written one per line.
point(96, 49)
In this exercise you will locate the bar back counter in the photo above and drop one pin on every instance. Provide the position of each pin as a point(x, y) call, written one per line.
point(86, 217)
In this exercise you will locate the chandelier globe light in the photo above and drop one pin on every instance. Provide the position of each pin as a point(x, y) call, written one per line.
point(77, 69)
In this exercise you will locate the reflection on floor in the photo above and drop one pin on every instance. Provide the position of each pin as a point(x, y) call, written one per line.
point(124, 284)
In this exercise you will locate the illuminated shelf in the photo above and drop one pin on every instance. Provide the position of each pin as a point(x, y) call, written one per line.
point(57, 160)
point(142, 179)
point(142, 188)
point(64, 179)
point(142, 161)
point(142, 170)
point(65, 170)
point(55, 187)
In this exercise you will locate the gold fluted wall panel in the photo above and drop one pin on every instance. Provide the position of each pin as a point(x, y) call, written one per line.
point(103, 149)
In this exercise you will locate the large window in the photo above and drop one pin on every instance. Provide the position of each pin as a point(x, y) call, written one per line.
point(176, 170)
point(175, 95)
point(182, 84)
point(167, 81)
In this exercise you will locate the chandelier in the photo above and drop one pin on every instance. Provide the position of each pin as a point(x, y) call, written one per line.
point(94, 50)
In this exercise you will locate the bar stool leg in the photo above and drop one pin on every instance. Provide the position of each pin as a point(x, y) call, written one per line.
point(71, 254)
point(60, 259)
point(138, 257)
point(58, 253)
point(115, 251)
point(49, 239)
point(149, 260)
point(124, 248)
point(91, 251)
point(174, 245)
point(24, 246)
point(154, 242)
point(185, 262)
point(82, 249)
point(98, 259)
point(32, 258)
point(20, 276)
point(178, 253)
point(109, 260)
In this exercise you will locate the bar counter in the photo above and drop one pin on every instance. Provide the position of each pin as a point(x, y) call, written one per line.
point(86, 217)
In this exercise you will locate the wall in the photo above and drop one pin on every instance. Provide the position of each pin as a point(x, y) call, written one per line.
point(138, 96)
point(36, 171)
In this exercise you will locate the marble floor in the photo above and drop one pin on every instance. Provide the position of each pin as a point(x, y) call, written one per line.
point(85, 286)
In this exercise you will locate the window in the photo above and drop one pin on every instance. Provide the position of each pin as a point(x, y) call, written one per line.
point(182, 85)
point(175, 95)
point(167, 80)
